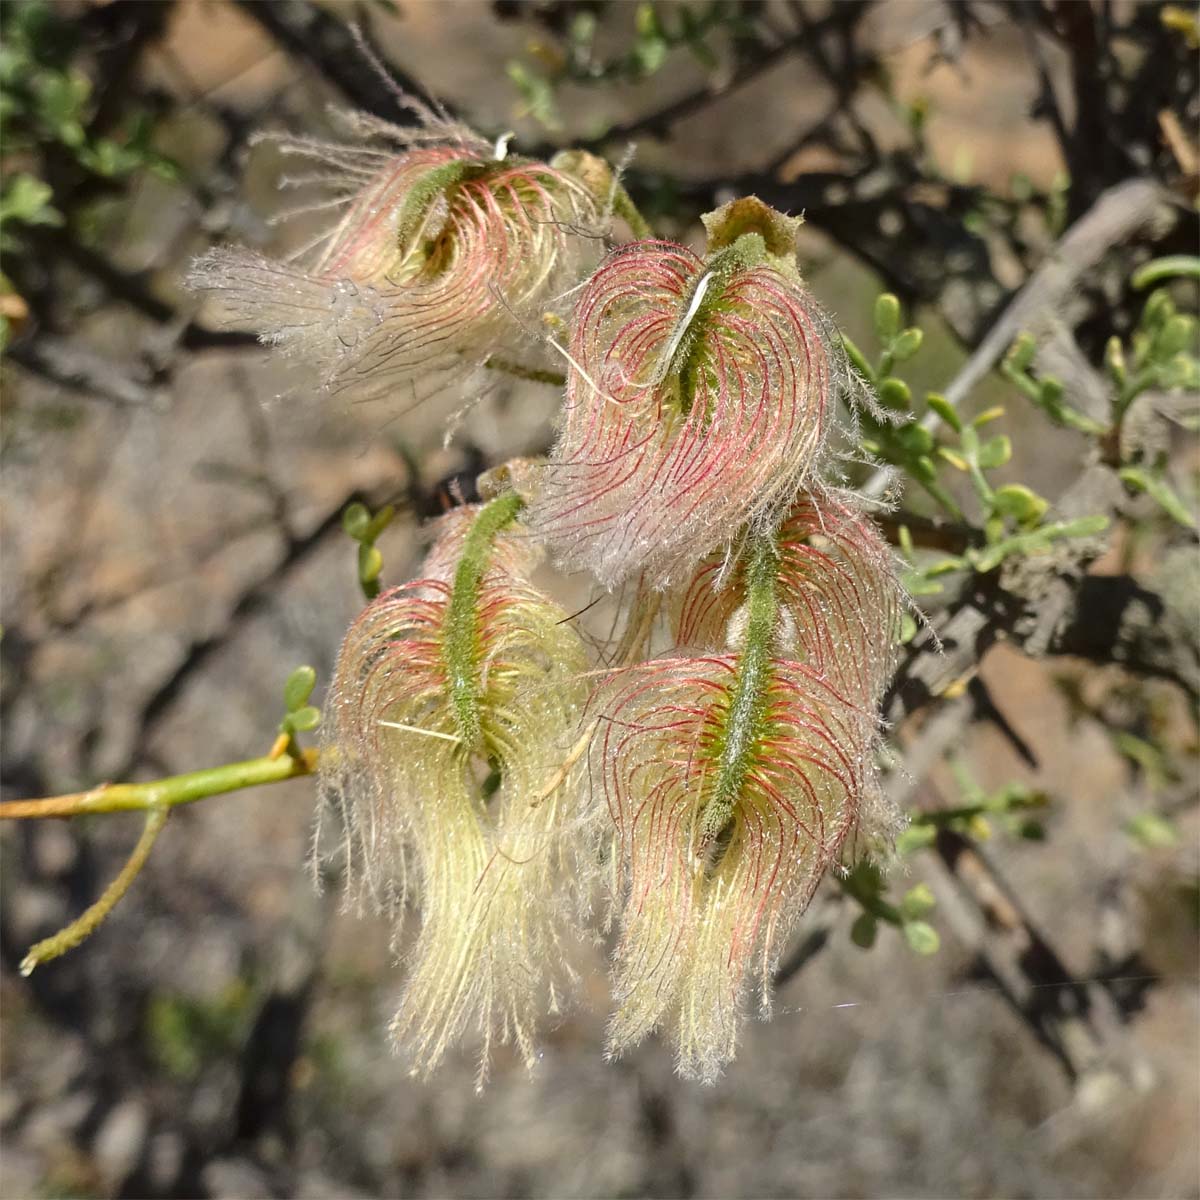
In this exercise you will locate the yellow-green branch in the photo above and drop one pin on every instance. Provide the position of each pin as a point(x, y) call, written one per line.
point(155, 798)
point(167, 793)
point(84, 925)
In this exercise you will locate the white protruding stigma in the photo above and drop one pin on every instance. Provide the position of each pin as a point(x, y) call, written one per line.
point(433, 733)
point(682, 328)
point(586, 377)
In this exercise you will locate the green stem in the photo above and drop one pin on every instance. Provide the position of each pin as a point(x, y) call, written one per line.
point(943, 497)
point(872, 902)
point(521, 371)
point(155, 798)
point(86, 924)
point(460, 633)
point(1144, 379)
point(166, 793)
point(741, 735)
point(625, 208)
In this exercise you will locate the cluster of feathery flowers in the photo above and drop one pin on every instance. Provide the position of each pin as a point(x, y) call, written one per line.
point(479, 771)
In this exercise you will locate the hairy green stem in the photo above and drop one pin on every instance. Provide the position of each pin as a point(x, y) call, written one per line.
point(625, 208)
point(460, 633)
point(686, 353)
point(426, 191)
point(742, 731)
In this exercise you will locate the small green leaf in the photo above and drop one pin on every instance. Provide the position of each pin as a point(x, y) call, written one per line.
point(918, 902)
point(650, 53)
point(995, 452)
point(914, 438)
point(865, 881)
point(379, 522)
point(895, 393)
point(298, 688)
point(1021, 353)
point(1174, 336)
point(979, 827)
point(1152, 830)
point(370, 563)
point(1114, 360)
point(921, 937)
point(1020, 503)
point(1181, 373)
point(537, 92)
point(954, 458)
point(916, 585)
point(583, 27)
point(1080, 527)
point(356, 519)
point(887, 318)
point(925, 470)
point(1158, 309)
point(945, 410)
point(1166, 268)
point(1145, 754)
point(27, 199)
point(1154, 484)
point(988, 560)
point(907, 344)
point(946, 566)
point(914, 838)
point(645, 21)
point(863, 931)
point(858, 359)
point(304, 719)
point(989, 414)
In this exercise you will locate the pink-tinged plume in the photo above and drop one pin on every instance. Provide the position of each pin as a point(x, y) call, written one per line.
point(699, 395)
point(437, 247)
point(840, 598)
point(455, 703)
point(734, 779)
point(706, 906)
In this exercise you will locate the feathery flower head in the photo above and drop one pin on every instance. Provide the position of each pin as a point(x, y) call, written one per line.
point(733, 780)
point(436, 241)
point(455, 700)
point(699, 395)
point(838, 591)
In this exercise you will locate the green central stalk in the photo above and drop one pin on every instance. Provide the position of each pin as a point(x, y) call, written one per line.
point(461, 642)
point(435, 183)
point(742, 732)
point(690, 355)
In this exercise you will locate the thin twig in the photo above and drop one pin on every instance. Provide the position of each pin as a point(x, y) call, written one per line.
point(86, 924)
point(169, 792)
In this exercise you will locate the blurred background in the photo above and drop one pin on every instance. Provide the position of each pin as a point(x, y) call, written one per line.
point(172, 547)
